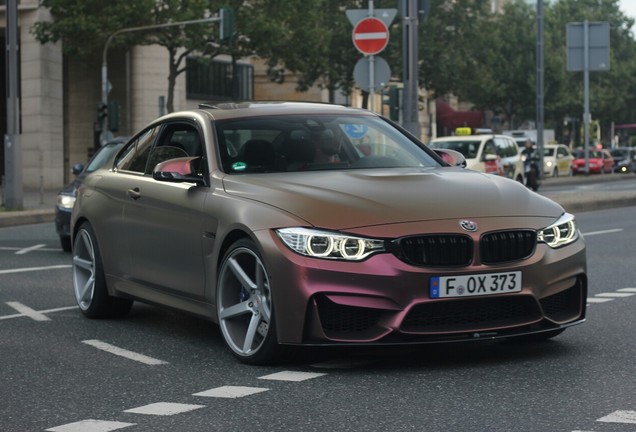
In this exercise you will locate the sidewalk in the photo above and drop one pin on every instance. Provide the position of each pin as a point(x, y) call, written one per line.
point(39, 205)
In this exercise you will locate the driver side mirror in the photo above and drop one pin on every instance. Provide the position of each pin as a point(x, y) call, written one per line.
point(451, 157)
point(77, 168)
point(179, 170)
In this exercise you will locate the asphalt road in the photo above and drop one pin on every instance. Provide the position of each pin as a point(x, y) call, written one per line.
point(62, 372)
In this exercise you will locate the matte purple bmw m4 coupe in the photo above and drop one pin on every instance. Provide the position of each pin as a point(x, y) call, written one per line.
point(312, 224)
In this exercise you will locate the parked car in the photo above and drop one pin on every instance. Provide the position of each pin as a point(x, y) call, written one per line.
point(600, 161)
point(66, 197)
point(624, 159)
point(557, 160)
point(489, 153)
point(268, 220)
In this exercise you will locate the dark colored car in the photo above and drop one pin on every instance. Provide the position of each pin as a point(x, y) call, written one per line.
point(66, 197)
point(624, 159)
point(268, 219)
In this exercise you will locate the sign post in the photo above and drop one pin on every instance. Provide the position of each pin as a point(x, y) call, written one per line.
point(587, 50)
point(370, 36)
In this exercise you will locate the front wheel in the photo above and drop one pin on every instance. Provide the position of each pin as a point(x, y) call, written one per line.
point(89, 283)
point(244, 305)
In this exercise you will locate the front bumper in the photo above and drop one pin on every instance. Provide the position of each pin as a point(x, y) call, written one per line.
point(384, 300)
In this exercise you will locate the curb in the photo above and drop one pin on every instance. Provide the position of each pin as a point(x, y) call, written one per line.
point(26, 217)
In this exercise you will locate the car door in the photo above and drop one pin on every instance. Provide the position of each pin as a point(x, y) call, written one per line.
point(163, 221)
point(563, 160)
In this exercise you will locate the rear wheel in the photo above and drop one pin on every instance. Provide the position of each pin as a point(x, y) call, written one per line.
point(89, 283)
point(244, 305)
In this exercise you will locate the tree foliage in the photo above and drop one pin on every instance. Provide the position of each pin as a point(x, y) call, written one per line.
point(465, 49)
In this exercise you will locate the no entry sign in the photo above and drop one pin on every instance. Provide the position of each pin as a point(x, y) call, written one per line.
point(370, 36)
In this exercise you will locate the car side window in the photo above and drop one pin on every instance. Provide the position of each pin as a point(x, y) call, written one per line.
point(489, 149)
point(177, 139)
point(505, 147)
point(135, 155)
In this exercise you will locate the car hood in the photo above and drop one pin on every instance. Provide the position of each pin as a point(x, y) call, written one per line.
point(357, 198)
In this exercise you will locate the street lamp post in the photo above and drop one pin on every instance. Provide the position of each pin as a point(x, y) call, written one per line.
point(105, 88)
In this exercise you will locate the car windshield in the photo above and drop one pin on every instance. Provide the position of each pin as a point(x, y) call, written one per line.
point(468, 148)
point(620, 153)
point(549, 151)
point(315, 142)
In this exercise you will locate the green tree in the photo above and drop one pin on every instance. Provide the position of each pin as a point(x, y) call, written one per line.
point(83, 26)
point(612, 93)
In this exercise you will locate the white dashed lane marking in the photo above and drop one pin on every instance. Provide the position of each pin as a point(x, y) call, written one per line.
point(91, 426)
point(614, 294)
point(112, 349)
point(620, 417)
point(609, 296)
point(598, 300)
point(27, 311)
point(42, 312)
point(32, 269)
point(29, 249)
point(291, 376)
point(609, 231)
point(164, 409)
point(231, 392)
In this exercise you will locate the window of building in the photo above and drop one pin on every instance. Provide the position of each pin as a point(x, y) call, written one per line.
point(215, 80)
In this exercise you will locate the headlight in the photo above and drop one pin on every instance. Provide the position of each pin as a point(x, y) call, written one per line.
point(560, 233)
point(65, 201)
point(330, 245)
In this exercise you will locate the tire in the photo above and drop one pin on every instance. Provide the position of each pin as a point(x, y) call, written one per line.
point(533, 180)
point(65, 243)
point(89, 282)
point(555, 173)
point(245, 307)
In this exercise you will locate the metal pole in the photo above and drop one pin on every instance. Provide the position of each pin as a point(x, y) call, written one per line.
point(410, 92)
point(12, 150)
point(371, 70)
point(540, 85)
point(586, 95)
point(132, 29)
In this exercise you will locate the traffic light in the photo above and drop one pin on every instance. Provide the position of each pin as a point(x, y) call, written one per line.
point(113, 115)
point(102, 110)
point(391, 97)
point(226, 26)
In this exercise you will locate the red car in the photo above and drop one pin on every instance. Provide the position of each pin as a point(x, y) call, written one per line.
point(600, 161)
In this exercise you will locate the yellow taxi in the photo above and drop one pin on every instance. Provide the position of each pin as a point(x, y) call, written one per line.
point(557, 160)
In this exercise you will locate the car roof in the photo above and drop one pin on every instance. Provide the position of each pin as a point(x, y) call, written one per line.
point(231, 110)
point(479, 137)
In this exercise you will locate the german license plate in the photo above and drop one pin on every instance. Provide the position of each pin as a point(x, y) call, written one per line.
point(475, 285)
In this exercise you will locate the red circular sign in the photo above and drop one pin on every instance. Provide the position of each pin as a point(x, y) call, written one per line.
point(370, 36)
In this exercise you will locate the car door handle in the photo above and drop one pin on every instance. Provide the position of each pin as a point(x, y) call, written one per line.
point(134, 193)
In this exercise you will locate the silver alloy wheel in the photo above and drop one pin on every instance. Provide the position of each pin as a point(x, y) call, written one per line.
point(244, 302)
point(84, 269)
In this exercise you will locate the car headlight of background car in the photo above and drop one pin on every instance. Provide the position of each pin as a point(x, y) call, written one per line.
point(65, 201)
point(325, 244)
point(560, 233)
